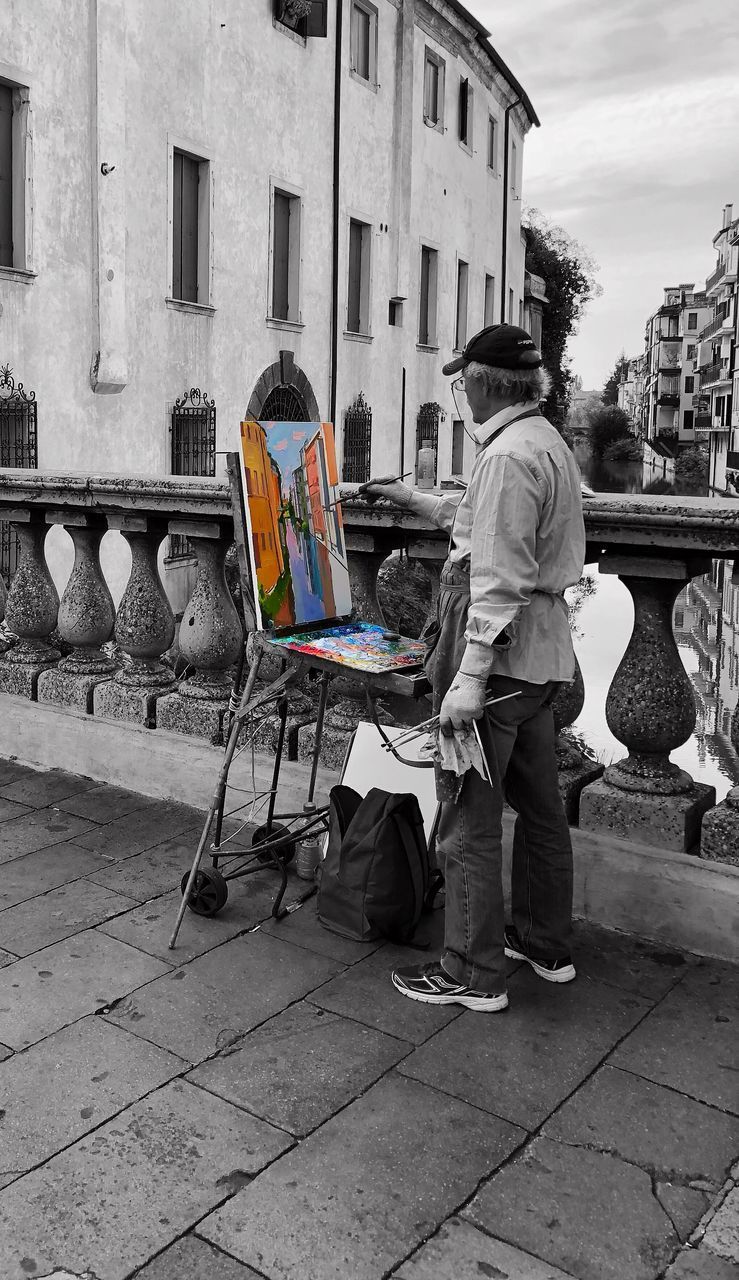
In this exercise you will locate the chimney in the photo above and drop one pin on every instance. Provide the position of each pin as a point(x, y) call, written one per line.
point(728, 209)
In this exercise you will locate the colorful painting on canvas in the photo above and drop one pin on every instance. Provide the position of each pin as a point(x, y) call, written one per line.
point(360, 645)
point(295, 534)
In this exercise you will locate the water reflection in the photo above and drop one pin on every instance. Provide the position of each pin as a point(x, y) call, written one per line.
point(706, 626)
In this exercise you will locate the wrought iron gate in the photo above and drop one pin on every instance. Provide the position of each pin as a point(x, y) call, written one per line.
point(18, 448)
point(357, 441)
point(193, 446)
point(427, 428)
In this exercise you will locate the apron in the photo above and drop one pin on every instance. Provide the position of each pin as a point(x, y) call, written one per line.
point(444, 637)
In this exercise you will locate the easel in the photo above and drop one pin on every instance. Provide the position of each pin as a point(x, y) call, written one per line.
point(272, 844)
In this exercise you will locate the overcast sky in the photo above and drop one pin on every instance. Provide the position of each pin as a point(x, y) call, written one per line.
point(638, 149)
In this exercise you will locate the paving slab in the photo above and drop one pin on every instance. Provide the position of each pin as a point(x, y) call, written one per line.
point(6, 958)
point(58, 914)
point(304, 929)
point(39, 789)
point(365, 992)
point(149, 926)
point(212, 1002)
point(722, 1232)
point(12, 771)
point(301, 1067)
point(701, 1264)
point(522, 1063)
point(593, 1216)
point(68, 980)
point(689, 1041)
point(366, 1188)
point(104, 803)
point(141, 830)
point(36, 873)
point(194, 1259)
point(124, 1192)
point(459, 1251)
point(39, 829)
point(156, 871)
point(5, 1052)
point(10, 809)
point(71, 1082)
point(648, 969)
point(670, 1136)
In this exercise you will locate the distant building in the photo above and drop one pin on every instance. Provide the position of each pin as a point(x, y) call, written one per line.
point(717, 401)
point(631, 392)
point(671, 336)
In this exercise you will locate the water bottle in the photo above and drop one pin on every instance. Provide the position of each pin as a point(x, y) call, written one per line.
point(308, 851)
point(426, 465)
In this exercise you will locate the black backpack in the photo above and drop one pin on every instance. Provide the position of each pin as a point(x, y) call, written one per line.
point(376, 877)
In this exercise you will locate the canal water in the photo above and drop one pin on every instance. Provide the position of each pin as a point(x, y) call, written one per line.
point(706, 626)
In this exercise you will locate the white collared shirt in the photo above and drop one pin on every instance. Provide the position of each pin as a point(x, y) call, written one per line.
point(518, 528)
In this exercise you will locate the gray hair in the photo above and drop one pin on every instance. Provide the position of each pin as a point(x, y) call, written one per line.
point(522, 384)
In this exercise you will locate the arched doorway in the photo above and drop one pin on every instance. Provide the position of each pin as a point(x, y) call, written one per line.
point(283, 394)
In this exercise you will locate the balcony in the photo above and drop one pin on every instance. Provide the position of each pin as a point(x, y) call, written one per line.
point(725, 321)
point(715, 373)
point(724, 271)
point(702, 426)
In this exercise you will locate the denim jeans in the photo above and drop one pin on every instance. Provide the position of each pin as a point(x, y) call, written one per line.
point(519, 740)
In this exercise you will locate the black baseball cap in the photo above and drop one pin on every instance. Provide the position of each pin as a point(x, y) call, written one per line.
point(504, 346)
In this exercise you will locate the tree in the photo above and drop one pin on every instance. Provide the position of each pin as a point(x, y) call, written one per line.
point(569, 273)
point(607, 424)
point(620, 370)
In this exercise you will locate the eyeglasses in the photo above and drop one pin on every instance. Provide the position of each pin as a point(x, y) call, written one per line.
point(458, 385)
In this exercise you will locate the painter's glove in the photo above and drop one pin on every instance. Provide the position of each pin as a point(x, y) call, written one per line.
point(464, 703)
point(388, 487)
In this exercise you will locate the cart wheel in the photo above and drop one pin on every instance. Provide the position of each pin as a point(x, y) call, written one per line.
point(209, 892)
point(285, 852)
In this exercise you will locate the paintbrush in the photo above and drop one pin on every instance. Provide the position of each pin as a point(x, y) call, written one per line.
point(371, 497)
point(418, 730)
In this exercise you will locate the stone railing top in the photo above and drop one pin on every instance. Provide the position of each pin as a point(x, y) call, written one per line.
point(658, 524)
point(173, 497)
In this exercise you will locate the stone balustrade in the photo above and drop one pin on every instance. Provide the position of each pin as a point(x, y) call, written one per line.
point(82, 652)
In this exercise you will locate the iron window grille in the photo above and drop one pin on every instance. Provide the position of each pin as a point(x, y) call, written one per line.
point(193, 447)
point(427, 428)
point(357, 442)
point(18, 448)
point(284, 404)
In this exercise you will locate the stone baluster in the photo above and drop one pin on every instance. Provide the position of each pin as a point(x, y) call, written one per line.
point(144, 629)
point(576, 769)
point(364, 556)
point(31, 609)
point(210, 640)
point(650, 709)
point(86, 618)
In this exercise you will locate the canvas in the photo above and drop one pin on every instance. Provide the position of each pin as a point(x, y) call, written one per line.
point(295, 535)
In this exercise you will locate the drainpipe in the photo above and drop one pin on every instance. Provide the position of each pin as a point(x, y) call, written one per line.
point(504, 243)
point(335, 226)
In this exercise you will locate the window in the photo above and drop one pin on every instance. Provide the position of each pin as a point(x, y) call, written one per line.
point(357, 442)
point(314, 24)
point(465, 114)
point(457, 447)
point(357, 308)
point(460, 331)
point(689, 384)
point(489, 304)
point(18, 448)
point(427, 299)
point(15, 157)
point(492, 143)
point(433, 90)
point(514, 166)
point(192, 449)
point(692, 319)
point(190, 227)
point(285, 256)
point(690, 352)
point(688, 419)
point(395, 312)
point(510, 306)
point(363, 41)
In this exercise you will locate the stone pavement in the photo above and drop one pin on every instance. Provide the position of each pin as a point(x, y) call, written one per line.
point(261, 1102)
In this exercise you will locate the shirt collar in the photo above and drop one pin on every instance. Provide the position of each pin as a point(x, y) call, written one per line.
point(483, 432)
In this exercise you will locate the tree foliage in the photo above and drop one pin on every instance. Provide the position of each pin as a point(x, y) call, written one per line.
point(620, 369)
point(606, 425)
point(569, 273)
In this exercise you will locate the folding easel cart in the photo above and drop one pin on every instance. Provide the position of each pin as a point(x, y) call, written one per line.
point(272, 842)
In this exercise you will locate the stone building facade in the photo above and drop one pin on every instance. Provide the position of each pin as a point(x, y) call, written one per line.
point(283, 209)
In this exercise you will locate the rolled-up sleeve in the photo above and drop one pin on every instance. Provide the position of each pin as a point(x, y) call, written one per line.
point(440, 511)
point(507, 495)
